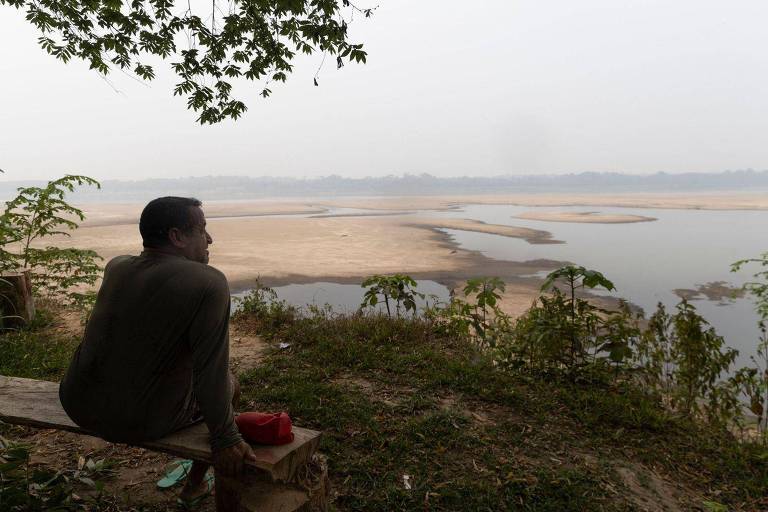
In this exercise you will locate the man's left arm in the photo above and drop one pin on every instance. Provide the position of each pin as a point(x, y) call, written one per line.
point(209, 342)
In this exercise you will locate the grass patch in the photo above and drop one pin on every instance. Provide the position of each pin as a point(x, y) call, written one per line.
point(37, 351)
point(395, 400)
point(413, 420)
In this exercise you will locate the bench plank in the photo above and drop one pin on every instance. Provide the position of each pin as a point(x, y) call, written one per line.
point(36, 403)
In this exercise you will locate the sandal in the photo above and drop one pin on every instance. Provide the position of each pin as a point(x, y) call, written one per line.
point(176, 475)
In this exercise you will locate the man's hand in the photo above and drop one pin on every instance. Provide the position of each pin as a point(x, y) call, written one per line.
point(229, 461)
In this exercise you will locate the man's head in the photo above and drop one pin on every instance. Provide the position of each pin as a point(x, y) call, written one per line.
point(176, 225)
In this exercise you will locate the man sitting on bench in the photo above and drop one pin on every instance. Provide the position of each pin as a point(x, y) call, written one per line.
point(155, 355)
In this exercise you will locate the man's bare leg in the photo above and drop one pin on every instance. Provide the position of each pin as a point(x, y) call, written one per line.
point(196, 485)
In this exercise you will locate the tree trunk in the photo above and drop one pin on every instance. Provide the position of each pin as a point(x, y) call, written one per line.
point(17, 306)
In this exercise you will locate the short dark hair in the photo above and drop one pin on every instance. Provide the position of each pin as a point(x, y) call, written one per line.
point(164, 213)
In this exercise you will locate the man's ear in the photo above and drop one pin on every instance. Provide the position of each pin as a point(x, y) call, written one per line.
point(177, 238)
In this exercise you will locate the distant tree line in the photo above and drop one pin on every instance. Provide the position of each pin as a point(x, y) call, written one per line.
point(242, 187)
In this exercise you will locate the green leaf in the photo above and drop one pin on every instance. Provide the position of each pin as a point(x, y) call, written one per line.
point(713, 506)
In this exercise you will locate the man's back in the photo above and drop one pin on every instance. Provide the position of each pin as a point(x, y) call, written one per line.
point(158, 321)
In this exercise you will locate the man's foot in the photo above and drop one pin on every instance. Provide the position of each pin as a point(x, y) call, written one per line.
point(193, 494)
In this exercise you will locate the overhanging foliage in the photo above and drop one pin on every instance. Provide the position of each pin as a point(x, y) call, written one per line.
point(209, 44)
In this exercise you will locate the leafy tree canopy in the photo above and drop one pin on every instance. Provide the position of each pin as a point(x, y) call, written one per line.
point(208, 43)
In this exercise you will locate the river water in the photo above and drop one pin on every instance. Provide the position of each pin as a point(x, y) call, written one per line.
point(646, 261)
point(346, 298)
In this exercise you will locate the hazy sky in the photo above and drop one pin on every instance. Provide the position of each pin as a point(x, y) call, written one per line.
point(451, 88)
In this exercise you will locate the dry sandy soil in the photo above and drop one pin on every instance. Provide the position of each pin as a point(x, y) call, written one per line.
point(251, 242)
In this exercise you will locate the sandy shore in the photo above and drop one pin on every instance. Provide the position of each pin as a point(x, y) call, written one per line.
point(315, 247)
point(584, 217)
point(121, 213)
point(283, 250)
point(703, 201)
point(532, 236)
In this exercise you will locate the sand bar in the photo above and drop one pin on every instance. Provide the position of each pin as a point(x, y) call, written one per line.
point(716, 291)
point(127, 213)
point(699, 201)
point(286, 250)
point(584, 217)
point(302, 249)
point(532, 236)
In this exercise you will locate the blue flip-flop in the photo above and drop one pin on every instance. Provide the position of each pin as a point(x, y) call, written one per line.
point(176, 475)
point(195, 502)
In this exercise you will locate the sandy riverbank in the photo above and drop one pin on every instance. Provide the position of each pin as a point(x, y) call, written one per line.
point(703, 201)
point(283, 250)
point(303, 249)
point(584, 217)
point(532, 236)
point(342, 249)
point(120, 213)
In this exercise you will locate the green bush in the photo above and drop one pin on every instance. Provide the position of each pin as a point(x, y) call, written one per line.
point(477, 316)
point(261, 306)
point(398, 288)
point(563, 333)
point(35, 214)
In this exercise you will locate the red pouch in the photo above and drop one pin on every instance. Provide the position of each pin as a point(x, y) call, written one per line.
point(263, 428)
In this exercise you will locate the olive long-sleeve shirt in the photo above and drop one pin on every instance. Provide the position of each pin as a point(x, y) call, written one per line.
point(155, 350)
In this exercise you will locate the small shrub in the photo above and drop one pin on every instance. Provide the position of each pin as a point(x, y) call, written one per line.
point(753, 381)
point(262, 306)
point(398, 288)
point(35, 214)
point(564, 333)
point(684, 358)
point(478, 315)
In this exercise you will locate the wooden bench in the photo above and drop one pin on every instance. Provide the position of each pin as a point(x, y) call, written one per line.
point(267, 487)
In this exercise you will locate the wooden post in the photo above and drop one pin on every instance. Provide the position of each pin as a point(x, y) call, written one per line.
point(17, 306)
